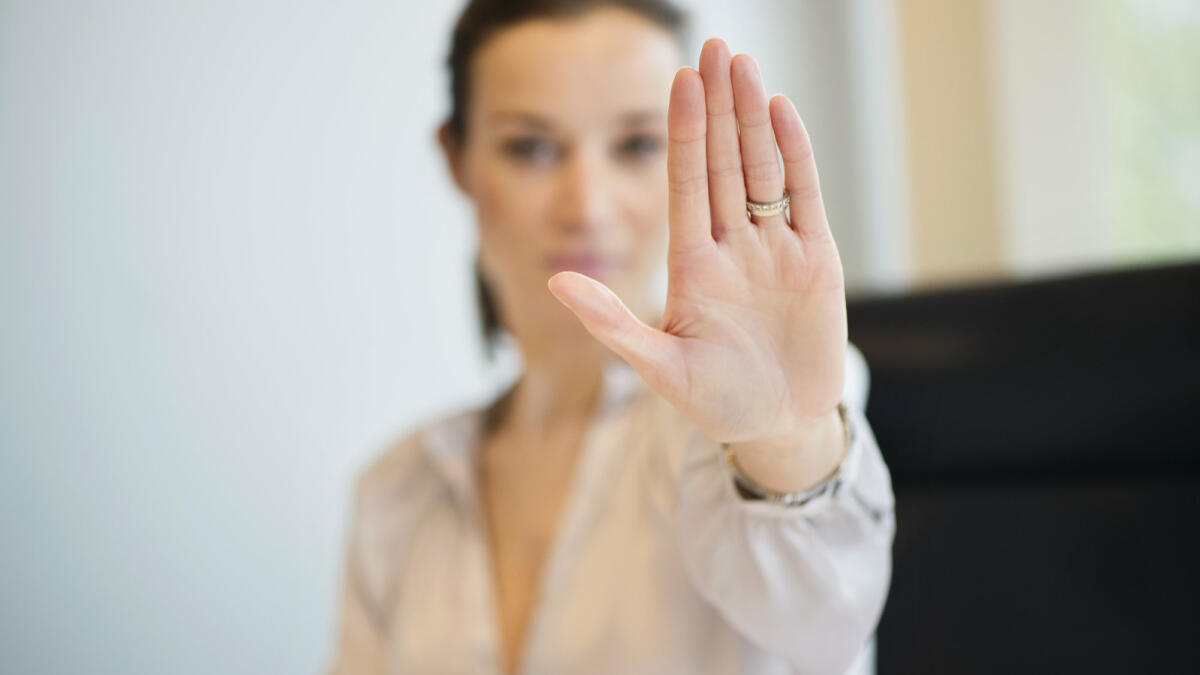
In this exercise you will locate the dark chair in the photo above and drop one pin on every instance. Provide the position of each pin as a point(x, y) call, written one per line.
point(1044, 442)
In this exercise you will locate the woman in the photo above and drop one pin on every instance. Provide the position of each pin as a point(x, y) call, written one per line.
point(589, 519)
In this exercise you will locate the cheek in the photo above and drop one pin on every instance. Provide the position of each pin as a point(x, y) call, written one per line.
point(513, 201)
point(649, 221)
point(507, 211)
point(501, 205)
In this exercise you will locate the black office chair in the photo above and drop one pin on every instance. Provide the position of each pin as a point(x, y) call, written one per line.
point(1044, 442)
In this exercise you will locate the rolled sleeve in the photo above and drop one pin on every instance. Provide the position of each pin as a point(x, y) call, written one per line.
point(805, 582)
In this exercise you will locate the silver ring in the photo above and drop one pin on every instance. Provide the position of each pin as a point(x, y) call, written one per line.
point(769, 208)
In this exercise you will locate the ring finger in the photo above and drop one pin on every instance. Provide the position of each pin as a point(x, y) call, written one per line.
point(760, 161)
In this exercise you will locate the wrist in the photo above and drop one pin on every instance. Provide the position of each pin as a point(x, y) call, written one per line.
point(795, 460)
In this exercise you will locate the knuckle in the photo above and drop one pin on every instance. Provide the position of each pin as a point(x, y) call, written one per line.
point(805, 191)
point(754, 122)
point(726, 170)
point(683, 137)
point(798, 156)
point(722, 114)
point(688, 186)
point(763, 170)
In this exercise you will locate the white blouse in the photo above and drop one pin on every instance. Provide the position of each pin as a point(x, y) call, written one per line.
point(659, 565)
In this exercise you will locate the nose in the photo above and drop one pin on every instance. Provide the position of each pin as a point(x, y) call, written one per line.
point(585, 192)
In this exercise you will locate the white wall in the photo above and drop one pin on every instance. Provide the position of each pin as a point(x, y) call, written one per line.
point(222, 290)
point(1097, 141)
point(1051, 147)
point(224, 284)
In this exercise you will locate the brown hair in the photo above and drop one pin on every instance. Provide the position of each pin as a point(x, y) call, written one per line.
point(479, 21)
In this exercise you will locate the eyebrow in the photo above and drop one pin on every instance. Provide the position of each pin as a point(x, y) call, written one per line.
point(640, 117)
point(629, 119)
point(525, 118)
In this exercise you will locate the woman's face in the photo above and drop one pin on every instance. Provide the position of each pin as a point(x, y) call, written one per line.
point(565, 159)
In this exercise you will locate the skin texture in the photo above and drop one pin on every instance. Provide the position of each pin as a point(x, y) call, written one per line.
point(590, 157)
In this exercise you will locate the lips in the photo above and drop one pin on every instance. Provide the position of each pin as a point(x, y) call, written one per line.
point(592, 264)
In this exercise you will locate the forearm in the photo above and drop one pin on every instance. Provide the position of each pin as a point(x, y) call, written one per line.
point(805, 582)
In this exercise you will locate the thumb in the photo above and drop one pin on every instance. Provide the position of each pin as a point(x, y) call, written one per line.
point(602, 313)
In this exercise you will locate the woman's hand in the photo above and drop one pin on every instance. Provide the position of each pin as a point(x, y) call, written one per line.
point(754, 331)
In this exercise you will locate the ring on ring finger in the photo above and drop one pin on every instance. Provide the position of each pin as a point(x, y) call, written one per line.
point(768, 208)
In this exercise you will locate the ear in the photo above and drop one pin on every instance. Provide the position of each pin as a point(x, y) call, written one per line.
point(451, 147)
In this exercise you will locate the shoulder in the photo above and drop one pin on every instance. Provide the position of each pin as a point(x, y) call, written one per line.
point(404, 463)
point(391, 494)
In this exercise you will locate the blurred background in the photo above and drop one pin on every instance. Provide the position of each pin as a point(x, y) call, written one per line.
point(225, 284)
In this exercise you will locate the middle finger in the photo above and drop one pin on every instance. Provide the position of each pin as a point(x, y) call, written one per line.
point(760, 159)
point(726, 185)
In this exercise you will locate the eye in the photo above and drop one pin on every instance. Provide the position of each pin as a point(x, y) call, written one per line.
point(639, 146)
point(531, 149)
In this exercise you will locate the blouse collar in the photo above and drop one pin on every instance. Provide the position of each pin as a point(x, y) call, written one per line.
point(452, 445)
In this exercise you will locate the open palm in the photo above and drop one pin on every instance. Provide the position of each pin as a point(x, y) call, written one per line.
point(754, 328)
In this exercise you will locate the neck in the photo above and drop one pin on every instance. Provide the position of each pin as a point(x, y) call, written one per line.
point(561, 383)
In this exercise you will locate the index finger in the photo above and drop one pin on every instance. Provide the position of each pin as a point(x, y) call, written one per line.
point(687, 168)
